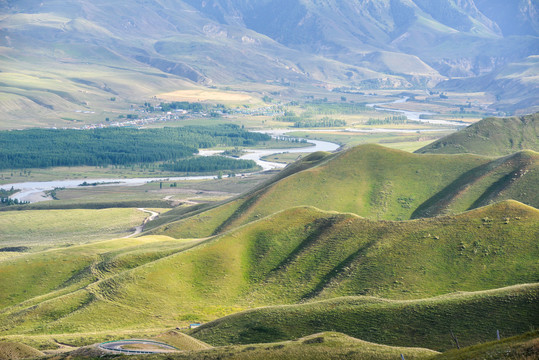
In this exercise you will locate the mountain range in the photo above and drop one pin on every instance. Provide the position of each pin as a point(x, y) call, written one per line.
point(135, 50)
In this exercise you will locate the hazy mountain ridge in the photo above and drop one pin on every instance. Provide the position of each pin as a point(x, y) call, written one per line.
point(348, 29)
point(365, 44)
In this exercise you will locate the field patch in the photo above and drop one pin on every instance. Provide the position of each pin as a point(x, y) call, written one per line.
point(40, 228)
point(205, 95)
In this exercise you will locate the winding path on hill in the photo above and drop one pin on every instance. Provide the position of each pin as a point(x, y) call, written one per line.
point(140, 228)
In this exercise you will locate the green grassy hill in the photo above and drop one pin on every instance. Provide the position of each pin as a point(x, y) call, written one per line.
point(201, 221)
point(296, 255)
point(473, 317)
point(327, 345)
point(491, 137)
point(378, 183)
point(35, 278)
point(181, 341)
point(522, 347)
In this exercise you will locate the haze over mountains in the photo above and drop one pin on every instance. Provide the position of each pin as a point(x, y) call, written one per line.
point(154, 45)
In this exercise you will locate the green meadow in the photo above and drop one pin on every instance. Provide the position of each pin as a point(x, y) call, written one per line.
point(326, 345)
point(51, 228)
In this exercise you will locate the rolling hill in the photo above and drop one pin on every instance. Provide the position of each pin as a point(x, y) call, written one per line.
point(377, 183)
point(491, 137)
point(521, 346)
point(297, 255)
point(327, 345)
point(387, 322)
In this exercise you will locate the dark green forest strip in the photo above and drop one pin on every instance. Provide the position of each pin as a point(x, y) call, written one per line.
point(209, 163)
point(38, 148)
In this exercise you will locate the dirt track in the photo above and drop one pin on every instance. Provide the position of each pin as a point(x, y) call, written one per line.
point(140, 228)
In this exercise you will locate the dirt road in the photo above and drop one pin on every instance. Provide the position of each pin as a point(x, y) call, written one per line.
point(140, 228)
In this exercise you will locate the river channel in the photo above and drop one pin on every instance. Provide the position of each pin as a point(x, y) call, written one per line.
point(35, 191)
point(414, 115)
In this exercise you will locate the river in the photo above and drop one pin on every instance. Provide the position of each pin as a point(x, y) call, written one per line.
point(35, 191)
point(414, 115)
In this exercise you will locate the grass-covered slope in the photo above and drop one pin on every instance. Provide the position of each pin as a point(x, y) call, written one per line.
point(181, 341)
point(381, 183)
point(327, 345)
point(472, 317)
point(511, 177)
point(16, 351)
point(200, 221)
point(491, 137)
point(296, 255)
point(37, 280)
point(520, 347)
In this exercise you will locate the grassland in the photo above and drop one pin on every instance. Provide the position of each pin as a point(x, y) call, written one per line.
point(39, 229)
point(491, 137)
point(473, 318)
point(520, 347)
point(332, 345)
point(72, 341)
point(381, 183)
point(297, 255)
point(328, 345)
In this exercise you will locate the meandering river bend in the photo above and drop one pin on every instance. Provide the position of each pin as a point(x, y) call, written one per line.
point(35, 191)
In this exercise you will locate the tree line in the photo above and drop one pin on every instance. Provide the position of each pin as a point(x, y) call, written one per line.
point(208, 163)
point(39, 148)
